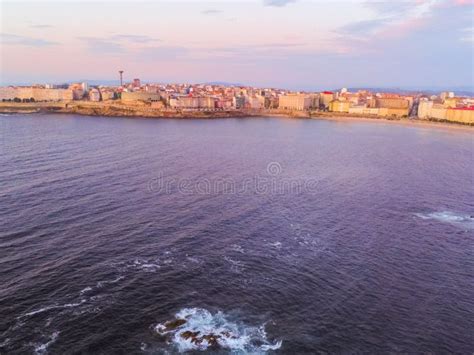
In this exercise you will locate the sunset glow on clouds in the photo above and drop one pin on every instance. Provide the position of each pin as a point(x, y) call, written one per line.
point(284, 43)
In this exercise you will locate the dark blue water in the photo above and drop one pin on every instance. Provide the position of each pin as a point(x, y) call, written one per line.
point(272, 235)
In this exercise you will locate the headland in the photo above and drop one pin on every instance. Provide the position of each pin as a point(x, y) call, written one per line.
point(118, 109)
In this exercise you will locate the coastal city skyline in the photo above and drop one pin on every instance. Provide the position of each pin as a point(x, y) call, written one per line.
point(143, 99)
point(297, 45)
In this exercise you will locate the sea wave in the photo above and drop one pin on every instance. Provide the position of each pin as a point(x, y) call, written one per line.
point(236, 266)
point(145, 265)
point(199, 329)
point(101, 284)
point(43, 348)
point(276, 245)
point(237, 248)
point(459, 219)
point(5, 342)
point(85, 290)
point(85, 298)
point(48, 308)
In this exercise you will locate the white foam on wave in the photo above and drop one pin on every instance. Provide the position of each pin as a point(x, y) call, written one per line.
point(107, 282)
point(267, 347)
point(235, 265)
point(463, 220)
point(85, 290)
point(232, 261)
point(5, 342)
point(199, 329)
point(276, 245)
point(153, 264)
point(141, 264)
point(192, 259)
point(237, 248)
point(145, 265)
point(43, 348)
point(48, 308)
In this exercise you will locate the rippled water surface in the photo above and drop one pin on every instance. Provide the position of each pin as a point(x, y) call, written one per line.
point(271, 235)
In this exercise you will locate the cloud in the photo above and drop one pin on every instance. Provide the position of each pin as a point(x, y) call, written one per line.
point(100, 45)
point(242, 53)
point(462, 2)
point(164, 53)
point(41, 26)
point(363, 27)
point(132, 38)
point(248, 53)
point(11, 39)
point(251, 48)
point(392, 8)
point(211, 12)
point(116, 43)
point(277, 3)
point(392, 19)
point(433, 41)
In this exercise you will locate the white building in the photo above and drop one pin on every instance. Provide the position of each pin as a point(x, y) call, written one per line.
point(295, 102)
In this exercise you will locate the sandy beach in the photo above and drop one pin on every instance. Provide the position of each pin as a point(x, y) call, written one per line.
point(413, 122)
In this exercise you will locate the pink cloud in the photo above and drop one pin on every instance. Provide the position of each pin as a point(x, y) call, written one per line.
point(454, 4)
point(463, 2)
point(402, 29)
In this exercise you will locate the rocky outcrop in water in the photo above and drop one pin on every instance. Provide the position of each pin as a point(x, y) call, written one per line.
point(199, 329)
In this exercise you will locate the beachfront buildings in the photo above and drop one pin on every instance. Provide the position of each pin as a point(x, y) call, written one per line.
point(192, 102)
point(391, 105)
point(33, 93)
point(325, 98)
point(445, 106)
point(139, 96)
point(445, 110)
point(294, 102)
point(339, 106)
point(364, 103)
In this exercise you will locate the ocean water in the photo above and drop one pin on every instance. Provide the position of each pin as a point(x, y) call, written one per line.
point(266, 235)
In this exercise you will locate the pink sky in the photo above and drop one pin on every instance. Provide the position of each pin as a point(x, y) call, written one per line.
point(296, 44)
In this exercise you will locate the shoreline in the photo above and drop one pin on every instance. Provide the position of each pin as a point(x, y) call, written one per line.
point(143, 111)
point(400, 122)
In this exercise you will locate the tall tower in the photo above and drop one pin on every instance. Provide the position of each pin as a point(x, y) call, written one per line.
point(121, 77)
